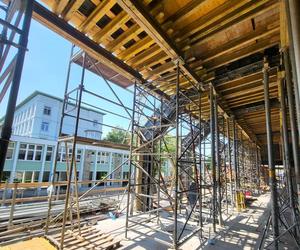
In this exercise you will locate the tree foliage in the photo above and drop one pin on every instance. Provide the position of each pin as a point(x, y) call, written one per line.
point(169, 146)
point(117, 136)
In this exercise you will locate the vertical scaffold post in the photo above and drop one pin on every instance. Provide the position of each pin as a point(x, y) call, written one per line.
point(130, 159)
point(285, 140)
point(213, 155)
point(218, 161)
point(291, 105)
point(57, 143)
point(292, 8)
point(229, 161)
point(80, 89)
point(273, 184)
point(200, 159)
point(236, 176)
point(13, 95)
point(175, 241)
point(257, 167)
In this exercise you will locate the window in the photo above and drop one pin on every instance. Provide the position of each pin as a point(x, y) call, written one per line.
point(45, 126)
point(38, 152)
point(30, 152)
point(104, 158)
point(100, 176)
point(5, 176)
point(78, 155)
point(46, 176)
point(47, 110)
point(49, 153)
point(10, 151)
point(95, 123)
point(126, 157)
point(35, 177)
point(28, 176)
point(22, 151)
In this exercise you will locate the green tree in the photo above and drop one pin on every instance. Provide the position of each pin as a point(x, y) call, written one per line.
point(117, 136)
point(169, 146)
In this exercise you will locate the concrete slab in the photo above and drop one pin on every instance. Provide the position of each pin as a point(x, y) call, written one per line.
point(241, 230)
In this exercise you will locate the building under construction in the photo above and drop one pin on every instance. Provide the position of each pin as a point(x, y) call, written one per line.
point(218, 78)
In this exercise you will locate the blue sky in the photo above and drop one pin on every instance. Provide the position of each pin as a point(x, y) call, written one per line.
point(45, 69)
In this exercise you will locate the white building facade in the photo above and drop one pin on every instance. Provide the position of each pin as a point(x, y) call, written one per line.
point(30, 156)
point(39, 115)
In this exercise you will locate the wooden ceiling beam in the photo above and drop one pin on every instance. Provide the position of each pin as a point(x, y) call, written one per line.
point(110, 28)
point(240, 11)
point(97, 13)
point(137, 11)
point(245, 79)
point(232, 45)
point(129, 34)
point(64, 29)
point(246, 86)
point(71, 8)
point(185, 11)
point(135, 48)
point(59, 6)
point(257, 47)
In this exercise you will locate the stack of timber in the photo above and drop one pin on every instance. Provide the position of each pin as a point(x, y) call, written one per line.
point(89, 238)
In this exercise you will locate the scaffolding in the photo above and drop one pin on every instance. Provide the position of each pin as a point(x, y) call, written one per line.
point(13, 46)
point(214, 162)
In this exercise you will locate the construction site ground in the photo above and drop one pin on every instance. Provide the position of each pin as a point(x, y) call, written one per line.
point(242, 230)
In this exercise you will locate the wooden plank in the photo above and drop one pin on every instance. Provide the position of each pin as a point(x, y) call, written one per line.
point(136, 48)
point(235, 44)
point(97, 13)
point(245, 87)
point(72, 8)
point(154, 30)
point(210, 19)
point(140, 59)
point(129, 34)
point(110, 28)
point(236, 55)
point(59, 6)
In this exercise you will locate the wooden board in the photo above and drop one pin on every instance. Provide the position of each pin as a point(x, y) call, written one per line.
point(89, 238)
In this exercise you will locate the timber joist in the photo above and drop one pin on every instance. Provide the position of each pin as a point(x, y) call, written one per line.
point(144, 40)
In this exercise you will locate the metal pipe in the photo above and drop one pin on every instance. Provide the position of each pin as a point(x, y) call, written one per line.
point(130, 159)
point(293, 25)
point(81, 86)
point(218, 161)
point(213, 154)
point(272, 176)
point(236, 183)
point(229, 161)
point(11, 105)
point(57, 144)
point(285, 139)
point(291, 105)
point(257, 166)
point(200, 160)
point(175, 241)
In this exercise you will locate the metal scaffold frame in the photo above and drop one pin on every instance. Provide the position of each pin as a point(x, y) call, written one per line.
point(73, 103)
point(13, 46)
point(197, 183)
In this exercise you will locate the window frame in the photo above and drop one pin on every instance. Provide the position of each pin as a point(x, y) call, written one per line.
point(47, 110)
point(45, 125)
